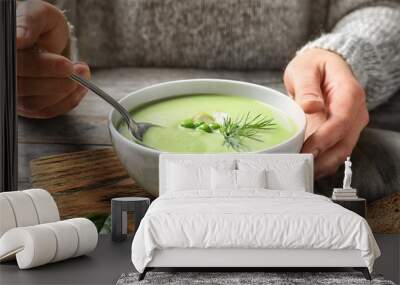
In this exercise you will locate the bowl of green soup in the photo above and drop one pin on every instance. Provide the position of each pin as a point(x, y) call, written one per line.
point(204, 116)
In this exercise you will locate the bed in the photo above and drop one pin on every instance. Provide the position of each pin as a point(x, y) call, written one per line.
point(246, 211)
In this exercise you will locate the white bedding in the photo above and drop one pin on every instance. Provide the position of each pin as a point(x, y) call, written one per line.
point(250, 219)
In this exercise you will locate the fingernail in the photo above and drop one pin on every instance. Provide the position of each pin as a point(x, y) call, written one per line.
point(82, 72)
point(310, 97)
point(315, 152)
point(64, 66)
point(80, 65)
point(79, 70)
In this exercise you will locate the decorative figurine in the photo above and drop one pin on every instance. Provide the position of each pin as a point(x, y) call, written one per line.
point(347, 174)
point(346, 192)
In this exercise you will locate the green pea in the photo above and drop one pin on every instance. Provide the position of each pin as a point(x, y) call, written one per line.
point(205, 127)
point(188, 123)
point(198, 124)
point(214, 126)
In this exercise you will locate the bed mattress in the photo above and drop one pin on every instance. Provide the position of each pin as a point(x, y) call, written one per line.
point(251, 219)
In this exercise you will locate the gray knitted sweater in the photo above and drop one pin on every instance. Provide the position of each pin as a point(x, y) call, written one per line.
point(237, 34)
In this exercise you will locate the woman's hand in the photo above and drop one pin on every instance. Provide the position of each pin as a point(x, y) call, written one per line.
point(323, 84)
point(43, 87)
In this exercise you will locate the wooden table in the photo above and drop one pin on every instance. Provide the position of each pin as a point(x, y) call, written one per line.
point(86, 126)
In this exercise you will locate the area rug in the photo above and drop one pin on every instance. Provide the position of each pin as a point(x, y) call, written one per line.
point(244, 278)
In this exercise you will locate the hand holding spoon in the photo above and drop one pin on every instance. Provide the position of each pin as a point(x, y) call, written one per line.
point(137, 129)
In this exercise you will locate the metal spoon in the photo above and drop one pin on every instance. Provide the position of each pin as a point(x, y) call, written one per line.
point(137, 129)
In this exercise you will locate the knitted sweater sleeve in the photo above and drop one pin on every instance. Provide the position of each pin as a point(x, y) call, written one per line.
point(369, 40)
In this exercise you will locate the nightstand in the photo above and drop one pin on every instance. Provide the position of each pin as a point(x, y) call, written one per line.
point(358, 205)
point(119, 211)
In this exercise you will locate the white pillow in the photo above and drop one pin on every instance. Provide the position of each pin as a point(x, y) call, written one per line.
point(181, 177)
point(293, 179)
point(251, 178)
point(189, 175)
point(223, 179)
point(281, 174)
point(226, 179)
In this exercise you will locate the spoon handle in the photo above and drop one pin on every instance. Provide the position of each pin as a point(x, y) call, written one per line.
point(124, 113)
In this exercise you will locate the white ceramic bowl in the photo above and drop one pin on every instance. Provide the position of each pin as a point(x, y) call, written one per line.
point(142, 163)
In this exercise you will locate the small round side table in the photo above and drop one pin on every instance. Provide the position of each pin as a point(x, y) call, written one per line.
point(120, 207)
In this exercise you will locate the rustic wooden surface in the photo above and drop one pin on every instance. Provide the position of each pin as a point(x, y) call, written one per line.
point(84, 182)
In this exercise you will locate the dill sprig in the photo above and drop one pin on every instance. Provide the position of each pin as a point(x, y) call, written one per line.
point(245, 127)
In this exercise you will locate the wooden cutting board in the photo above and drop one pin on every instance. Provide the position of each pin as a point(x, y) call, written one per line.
point(83, 183)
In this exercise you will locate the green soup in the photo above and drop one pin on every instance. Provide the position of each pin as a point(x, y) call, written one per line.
point(172, 137)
